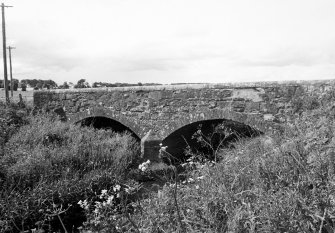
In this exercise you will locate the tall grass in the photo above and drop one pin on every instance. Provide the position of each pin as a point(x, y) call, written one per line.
point(277, 183)
point(49, 165)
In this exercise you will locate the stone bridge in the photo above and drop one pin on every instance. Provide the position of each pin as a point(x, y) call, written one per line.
point(155, 112)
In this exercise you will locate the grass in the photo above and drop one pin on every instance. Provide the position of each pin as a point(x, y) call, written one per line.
point(47, 166)
point(268, 184)
point(27, 96)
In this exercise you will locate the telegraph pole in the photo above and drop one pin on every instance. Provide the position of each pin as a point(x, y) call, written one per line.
point(4, 51)
point(10, 69)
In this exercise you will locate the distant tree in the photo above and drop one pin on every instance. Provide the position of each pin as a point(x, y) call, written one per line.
point(139, 84)
point(49, 83)
point(82, 84)
point(15, 84)
point(46, 85)
point(64, 86)
point(37, 82)
point(23, 87)
point(38, 86)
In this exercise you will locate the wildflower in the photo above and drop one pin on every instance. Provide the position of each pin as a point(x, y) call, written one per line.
point(197, 187)
point(129, 190)
point(144, 166)
point(116, 188)
point(83, 204)
point(103, 193)
point(190, 180)
point(110, 200)
point(98, 204)
point(200, 177)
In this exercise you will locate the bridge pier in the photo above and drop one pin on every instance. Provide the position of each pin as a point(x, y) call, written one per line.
point(150, 146)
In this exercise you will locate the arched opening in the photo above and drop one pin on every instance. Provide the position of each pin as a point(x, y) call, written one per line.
point(205, 137)
point(107, 123)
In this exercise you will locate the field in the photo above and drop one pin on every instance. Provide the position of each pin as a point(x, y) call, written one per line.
point(58, 177)
point(27, 96)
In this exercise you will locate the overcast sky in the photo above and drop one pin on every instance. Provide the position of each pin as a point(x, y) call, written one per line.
point(169, 41)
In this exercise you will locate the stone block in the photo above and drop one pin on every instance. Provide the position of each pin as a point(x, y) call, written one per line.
point(222, 94)
point(156, 95)
point(252, 107)
point(238, 106)
point(150, 146)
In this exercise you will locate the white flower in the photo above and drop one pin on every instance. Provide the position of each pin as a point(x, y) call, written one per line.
point(116, 188)
point(144, 166)
point(201, 177)
point(110, 200)
point(103, 193)
point(129, 189)
point(83, 204)
point(190, 180)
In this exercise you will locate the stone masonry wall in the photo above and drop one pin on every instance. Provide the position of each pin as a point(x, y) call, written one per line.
point(164, 109)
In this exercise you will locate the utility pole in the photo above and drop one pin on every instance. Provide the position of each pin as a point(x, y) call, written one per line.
point(10, 69)
point(4, 50)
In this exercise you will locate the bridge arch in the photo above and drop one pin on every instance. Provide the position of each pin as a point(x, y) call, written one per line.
point(109, 114)
point(255, 121)
point(216, 136)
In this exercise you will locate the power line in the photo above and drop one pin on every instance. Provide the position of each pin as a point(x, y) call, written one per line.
point(4, 51)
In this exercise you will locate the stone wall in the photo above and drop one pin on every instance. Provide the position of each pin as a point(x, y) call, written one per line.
point(164, 109)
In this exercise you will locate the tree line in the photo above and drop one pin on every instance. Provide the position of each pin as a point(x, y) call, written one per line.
point(39, 84)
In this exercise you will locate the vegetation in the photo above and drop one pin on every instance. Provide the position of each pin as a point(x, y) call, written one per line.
point(103, 84)
point(47, 166)
point(58, 177)
point(82, 84)
point(15, 84)
point(39, 84)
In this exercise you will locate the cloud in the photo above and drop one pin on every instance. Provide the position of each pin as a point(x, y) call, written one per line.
point(43, 56)
point(293, 56)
